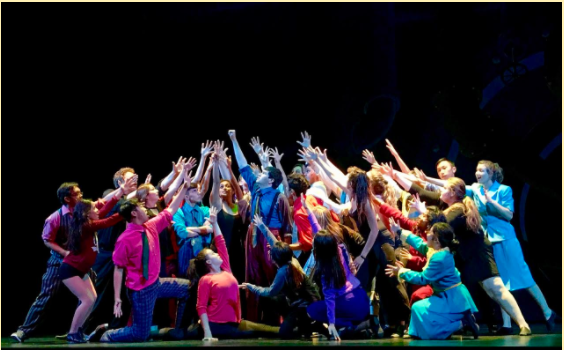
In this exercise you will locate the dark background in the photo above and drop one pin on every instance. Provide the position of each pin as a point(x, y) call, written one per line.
point(90, 88)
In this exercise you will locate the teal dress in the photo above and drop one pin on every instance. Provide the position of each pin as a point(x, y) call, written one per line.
point(439, 316)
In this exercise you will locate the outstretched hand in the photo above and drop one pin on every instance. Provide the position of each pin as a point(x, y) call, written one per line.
point(421, 207)
point(256, 145)
point(206, 148)
point(232, 135)
point(368, 156)
point(391, 148)
point(306, 140)
point(392, 270)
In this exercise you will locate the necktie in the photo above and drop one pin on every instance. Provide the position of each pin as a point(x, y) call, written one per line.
point(145, 256)
point(256, 211)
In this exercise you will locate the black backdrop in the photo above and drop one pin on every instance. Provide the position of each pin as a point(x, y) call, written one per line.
point(89, 88)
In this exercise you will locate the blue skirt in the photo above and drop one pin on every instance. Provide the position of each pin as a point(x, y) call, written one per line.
point(439, 316)
point(513, 269)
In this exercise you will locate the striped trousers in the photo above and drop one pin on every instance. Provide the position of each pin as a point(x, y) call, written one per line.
point(142, 305)
point(50, 284)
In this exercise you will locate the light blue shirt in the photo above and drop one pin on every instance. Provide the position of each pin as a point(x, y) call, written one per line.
point(188, 216)
point(497, 228)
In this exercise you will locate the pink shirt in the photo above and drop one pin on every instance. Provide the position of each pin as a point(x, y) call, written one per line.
point(53, 222)
point(128, 251)
point(218, 294)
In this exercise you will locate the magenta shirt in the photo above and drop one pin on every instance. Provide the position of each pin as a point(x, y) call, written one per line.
point(51, 226)
point(128, 251)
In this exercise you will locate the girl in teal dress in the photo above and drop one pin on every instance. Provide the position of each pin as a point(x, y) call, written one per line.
point(450, 307)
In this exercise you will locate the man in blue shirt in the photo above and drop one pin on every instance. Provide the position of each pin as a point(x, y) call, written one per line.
point(193, 231)
point(272, 206)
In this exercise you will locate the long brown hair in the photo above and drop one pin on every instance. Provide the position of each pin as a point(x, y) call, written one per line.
point(79, 218)
point(359, 183)
point(328, 265)
point(282, 254)
point(473, 218)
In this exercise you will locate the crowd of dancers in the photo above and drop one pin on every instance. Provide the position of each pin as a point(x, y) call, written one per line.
point(315, 253)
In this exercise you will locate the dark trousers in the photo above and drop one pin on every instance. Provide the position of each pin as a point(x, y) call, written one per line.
point(143, 304)
point(350, 308)
point(296, 317)
point(103, 309)
point(233, 330)
point(50, 284)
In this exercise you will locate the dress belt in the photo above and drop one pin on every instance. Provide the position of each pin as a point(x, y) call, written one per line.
point(444, 290)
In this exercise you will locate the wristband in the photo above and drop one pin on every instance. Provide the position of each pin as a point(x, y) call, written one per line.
point(363, 257)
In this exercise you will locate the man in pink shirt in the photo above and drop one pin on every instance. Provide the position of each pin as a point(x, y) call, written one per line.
point(137, 251)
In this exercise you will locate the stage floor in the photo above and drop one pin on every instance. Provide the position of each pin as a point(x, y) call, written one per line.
point(537, 339)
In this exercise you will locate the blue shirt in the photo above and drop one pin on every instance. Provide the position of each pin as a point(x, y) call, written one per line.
point(265, 201)
point(188, 216)
point(497, 228)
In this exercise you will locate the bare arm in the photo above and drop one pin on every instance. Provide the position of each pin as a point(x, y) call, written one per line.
point(205, 185)
point(404, 168)
point(118, 278)
point(277, 157)
point(177, 199)
point(215, 200)
point(205, 152)
point(373, 224)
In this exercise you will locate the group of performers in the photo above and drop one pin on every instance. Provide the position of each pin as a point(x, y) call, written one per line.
point(315, 253)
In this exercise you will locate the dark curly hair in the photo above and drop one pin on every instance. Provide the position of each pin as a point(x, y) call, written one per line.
point(359, 184)
point(275, 175)
point(298, 183)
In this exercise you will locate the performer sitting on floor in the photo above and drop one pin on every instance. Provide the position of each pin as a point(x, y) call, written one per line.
point(451, 306)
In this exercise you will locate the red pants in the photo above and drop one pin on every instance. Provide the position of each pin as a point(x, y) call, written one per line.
point(260, 270)
point(421, 293)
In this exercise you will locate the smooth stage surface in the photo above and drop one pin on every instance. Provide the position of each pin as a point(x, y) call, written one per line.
point(538, 339)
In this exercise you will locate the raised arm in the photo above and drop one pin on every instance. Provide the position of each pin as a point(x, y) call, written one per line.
point(205, 152)
point(177, 199)
point(270, 238)
point(215, 200)
point(404, 168)
point(277, 158)
point(239, 156)
point(205, 183)
point(186, 167)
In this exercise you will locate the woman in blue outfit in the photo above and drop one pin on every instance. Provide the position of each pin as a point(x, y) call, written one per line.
point(495, 205)
point(345, 301)
point(450, 307)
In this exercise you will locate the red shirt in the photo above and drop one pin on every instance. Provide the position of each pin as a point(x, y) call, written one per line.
point(418, 260)
point(305, 232)
point(218, 294)
point(128, 252)
point(85, 258)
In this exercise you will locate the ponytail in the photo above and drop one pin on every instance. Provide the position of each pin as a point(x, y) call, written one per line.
point(296, 272)
point(473, 218)
point(495, 169)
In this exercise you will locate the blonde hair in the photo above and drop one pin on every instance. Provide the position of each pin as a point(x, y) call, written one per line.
point(380, 186)
point(494, 168)
point(325, 220)
point(143, 191)
point(473, 218)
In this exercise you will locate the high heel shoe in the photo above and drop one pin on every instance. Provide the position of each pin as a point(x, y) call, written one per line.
point(470, 323)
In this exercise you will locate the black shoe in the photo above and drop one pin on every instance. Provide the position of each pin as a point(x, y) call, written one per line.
point(76, 338)
point(97, 334)
point(502, 331)
point(470, 323)
point(551, 322)
point(19, 336)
